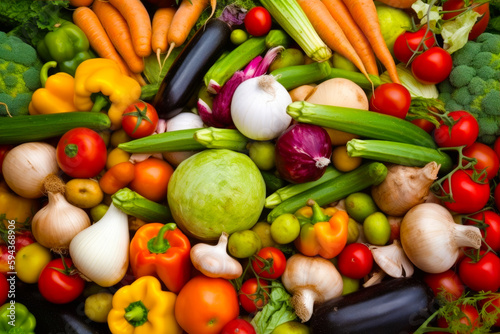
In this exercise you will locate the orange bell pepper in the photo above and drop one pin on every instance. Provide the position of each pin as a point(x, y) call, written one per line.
point(162, 251)
point(326, 232)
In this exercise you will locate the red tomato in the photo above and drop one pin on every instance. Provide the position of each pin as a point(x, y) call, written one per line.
point(481, 275)
point(496, 147)
point(258, 21)
point(464, 130)
point(151, 178)
point(238, 326)
point(355, 261)
point(494, 304)
point(391, 99)
point(469, 195)
point(470, 318)
point(447, 282)
point(486, 158)
point(81, 153)
point(3, 152)
point(432, 66)
point(252, 298)
point(4, 289)
point(57, 284)
point(269, 263)
point(139, 119)
point(489, 223)
point(482, 21)
point(408, 43)
point(497, 196)
point(424, 124)
point(6, 259)
point(23, 239)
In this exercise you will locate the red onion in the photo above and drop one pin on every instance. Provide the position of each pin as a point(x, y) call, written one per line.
point(302, 153)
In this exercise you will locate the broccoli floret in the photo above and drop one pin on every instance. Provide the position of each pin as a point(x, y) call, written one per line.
point(19, 75)
point(473, 84)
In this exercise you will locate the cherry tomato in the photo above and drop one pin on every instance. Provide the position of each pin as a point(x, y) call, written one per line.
point(489, 223)
point(481, 275)
point(464, 130)
point(470, 318)
point(258, 21)
point(496, 194)
point(252, 298)
point(496, 147)
point(469, 195)
point(447, 282)
point(23, 239)
point(408, 43)
point(6, 256)
point(4, 289)
point(58, 284)
point(479, 27)
point(486, 158)
point(424, 124)
point(355, 261)
point(432, 66)
point(81, 153)
point(391, 99)
point(494, 304)
point(238, 326)
point(151, 178)
point(269, 263)
point(139, 119)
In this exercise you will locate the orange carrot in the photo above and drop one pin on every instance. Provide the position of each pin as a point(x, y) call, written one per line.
point(87, 20)
point(399, 3)
point(139, 23)
point(364, 13)
point(330, 32)
point(213, 5)
point(80, 3)
point(161, 24)
point(118, 32)
point(184, 20)
point(358, 40)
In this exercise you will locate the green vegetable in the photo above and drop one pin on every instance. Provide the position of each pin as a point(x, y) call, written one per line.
point(290, 190)
point(398, 153)
point(230, 139)
point(216, 190)
point(25, 128)
point(221, 4)
point(171, 141)
point(474, 84)
point(67, 45)
point(294, 76)
point(356, 77)
point(294, 21)
point(140, 207)
point(24, 322)
point(273, 182)
point(415, 87)
point(360, 122)
point(276, 312)
point(334, 189)
point(155, 70)
point(19, 75)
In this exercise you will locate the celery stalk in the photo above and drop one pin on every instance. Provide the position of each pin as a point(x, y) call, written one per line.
point(230, 139)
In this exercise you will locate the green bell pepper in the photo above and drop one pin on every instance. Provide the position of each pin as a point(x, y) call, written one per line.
point(67, 45)
point(15, 318)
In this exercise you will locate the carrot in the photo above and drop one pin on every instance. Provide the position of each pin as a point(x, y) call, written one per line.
point(117, 29)
point(399, 3)
point(213, 5)
point(117, 177)
point(364, 13)
point(358, 40)
point(80, 3)
point(161, 24)
point(139, 23)
point(184, 20)
point(87, 20)
point(330, 32)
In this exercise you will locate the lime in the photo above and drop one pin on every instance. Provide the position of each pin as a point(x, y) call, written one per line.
point(243, 244)
point(285, 228)
point(291, 327)
point(263, 230)
point(359, 206)
point(377, 229)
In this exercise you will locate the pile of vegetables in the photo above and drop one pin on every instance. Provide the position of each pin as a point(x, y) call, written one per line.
point(249, 166)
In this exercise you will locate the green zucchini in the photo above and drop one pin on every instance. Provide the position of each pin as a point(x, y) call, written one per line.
point(230, 139)
point(140, 207)
point(364, 123)
point(272, 181)
point(356, 77)
point(294, 76)
point(173, 141)
point(333, 190)
point(26, 128)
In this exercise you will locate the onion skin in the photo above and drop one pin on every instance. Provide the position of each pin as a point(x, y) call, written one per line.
point(302, 153)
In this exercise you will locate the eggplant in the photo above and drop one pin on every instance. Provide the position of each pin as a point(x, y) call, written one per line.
point(188, 69)
point(394, 306)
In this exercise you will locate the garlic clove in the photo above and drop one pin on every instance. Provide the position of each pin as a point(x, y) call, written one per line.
point(392, 260)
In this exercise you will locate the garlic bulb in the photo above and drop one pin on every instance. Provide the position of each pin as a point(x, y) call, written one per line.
point(182, 121)
point(213, 261)
point(57, 223)
point(404, 187)
point(310, 280)
point(392, 260)
point(101, 251)
point(432, 240)
point(26, 166)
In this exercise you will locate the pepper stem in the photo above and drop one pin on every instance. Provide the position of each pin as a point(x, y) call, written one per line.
point(44, 72)
point(100, 103)
point(318, 214)
point(160, 244)
point(136, 313)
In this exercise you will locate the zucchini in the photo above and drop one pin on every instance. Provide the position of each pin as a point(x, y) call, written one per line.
point(173, 141)
point(356, 77)
point(398, 153)
point(230, 139)
point(26, 128)
point(334, 189)
point(398, 305)
point(140, 207)
point(364, 123)
point(272, 181)
point(294, 76)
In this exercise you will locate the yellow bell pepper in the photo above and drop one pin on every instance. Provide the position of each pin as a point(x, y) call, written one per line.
point(15, 207)
point(143, 308)
point(56, 95)
point(100, 75)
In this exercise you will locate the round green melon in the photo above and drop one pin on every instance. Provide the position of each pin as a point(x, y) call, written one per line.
point(216, 190)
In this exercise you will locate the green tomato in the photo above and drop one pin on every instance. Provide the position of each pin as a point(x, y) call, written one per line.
point(285, 228)
point(288, 57)
point(262, 154)
point(30, 261)
point(291, 327)
point(263, 230)
point(243, 244)
point(97, 306)
point(359, 206)
point(377, 229)
point(238, 36)
point(349, 285)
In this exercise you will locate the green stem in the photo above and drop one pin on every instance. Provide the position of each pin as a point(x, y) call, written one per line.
point(100, 103)
point(136, 313)
point(318, 214)
point(160, 244)
point(44, 72)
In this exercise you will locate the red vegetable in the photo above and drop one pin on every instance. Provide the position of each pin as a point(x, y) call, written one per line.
point(303, 152)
